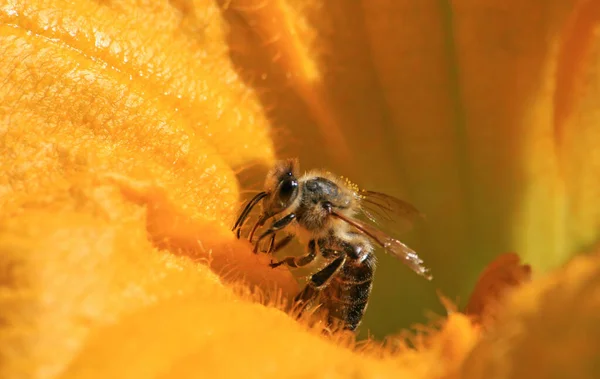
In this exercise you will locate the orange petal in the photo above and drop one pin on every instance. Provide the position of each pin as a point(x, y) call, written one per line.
point(501, 276)
point(176, 57)
point(575, 124)
point(554, 319)
point(88, 98)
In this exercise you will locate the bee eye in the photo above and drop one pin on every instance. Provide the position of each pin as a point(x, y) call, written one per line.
point(287, 191)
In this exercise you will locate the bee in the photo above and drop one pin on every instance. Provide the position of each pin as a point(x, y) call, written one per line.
point(320, 209)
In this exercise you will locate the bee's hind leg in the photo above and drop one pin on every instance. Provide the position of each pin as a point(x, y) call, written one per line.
point(304, 300)
point(310, 294)
point(321, 279)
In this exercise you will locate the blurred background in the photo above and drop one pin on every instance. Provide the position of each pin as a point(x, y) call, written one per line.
point(484, 115)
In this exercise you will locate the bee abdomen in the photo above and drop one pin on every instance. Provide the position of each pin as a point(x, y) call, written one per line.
point(348, 302)
point(349, 292)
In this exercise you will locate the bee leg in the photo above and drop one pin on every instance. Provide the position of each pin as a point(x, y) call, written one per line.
point(275, 227)
point(244, 214)
point(316, 283)
point(321, 279)
point(295, 262)
point(279, 245)
point(306, 295)
point(304, 300)
point(271, 243)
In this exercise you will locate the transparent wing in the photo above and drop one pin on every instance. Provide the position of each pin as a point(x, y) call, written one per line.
point(385, 210)
point(390, 245)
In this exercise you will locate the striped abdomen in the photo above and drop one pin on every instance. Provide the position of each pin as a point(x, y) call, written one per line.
point(347, 295)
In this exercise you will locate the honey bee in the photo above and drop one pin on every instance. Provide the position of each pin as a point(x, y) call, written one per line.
point(319, 208)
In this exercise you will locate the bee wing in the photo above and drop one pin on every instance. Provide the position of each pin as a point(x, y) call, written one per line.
point(390, 245)
point(382, 209)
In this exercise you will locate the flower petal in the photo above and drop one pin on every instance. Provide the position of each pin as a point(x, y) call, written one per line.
point(114, 186)
point(156, 52)
point(555, 318)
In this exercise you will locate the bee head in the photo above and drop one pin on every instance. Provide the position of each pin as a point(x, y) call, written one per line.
point(282, 187)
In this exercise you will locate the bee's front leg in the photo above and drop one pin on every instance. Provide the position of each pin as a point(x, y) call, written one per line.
point(237, 228)
point(275, 227)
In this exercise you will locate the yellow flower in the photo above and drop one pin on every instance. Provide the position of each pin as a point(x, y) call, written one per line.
point(123, 125)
